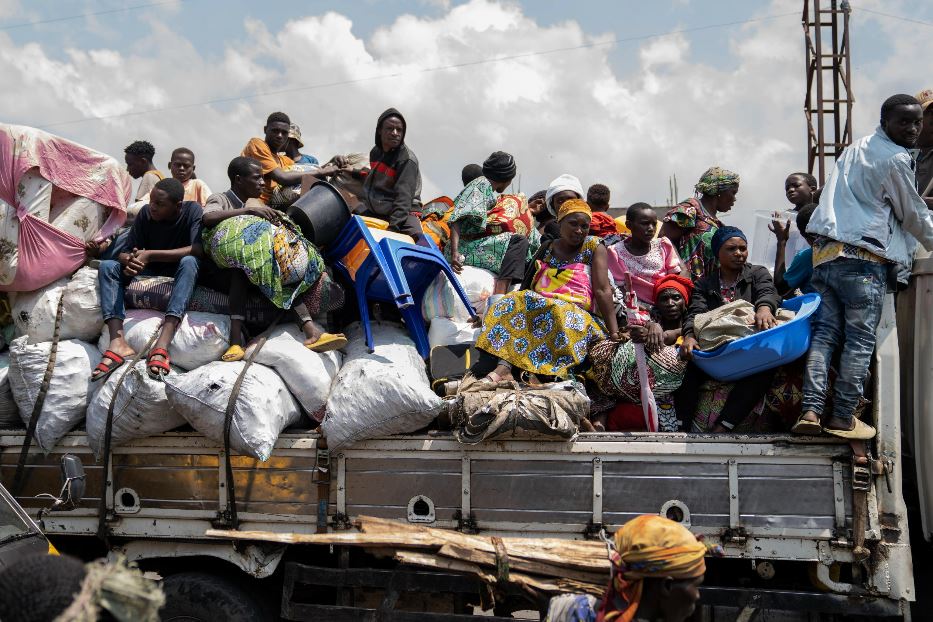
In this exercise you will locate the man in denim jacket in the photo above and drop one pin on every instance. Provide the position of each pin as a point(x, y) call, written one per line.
point(867, 225)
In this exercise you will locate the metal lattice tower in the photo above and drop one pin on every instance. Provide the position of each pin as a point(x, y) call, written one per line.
point(829, 99)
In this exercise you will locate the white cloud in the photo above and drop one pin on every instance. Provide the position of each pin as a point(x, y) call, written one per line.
point(557, 112)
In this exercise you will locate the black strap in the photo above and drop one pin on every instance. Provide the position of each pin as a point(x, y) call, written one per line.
point(102, 531)
point(230, 517)
point(532, 267)
point(19, 478)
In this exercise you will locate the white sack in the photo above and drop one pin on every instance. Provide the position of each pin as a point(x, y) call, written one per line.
point(69, 387)
point(34, 312)
point(200, 338)
point(263, 408)
point(386, 392)
point(441, 299)
point(9, 412)
point(307, 374)
point(141, 409)
point(445, 332)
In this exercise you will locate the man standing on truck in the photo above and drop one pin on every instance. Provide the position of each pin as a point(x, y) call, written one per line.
point(925, 145)
point(867, 224)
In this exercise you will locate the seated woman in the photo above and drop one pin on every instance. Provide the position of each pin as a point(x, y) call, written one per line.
point(734, 280)
point(271, 252)
point(614, 367)
point(692, 224)
point(547, 326)
point(643, 257)
point(484, 236)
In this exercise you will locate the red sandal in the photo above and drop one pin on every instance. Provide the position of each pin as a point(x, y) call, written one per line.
point(162, 366)
point(116, 361)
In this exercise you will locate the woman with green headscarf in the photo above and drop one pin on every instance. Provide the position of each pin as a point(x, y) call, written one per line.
point(690, 225)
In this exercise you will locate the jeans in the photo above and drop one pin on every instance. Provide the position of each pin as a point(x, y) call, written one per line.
point(853, 293)
point(113, 286)
point(117, 245)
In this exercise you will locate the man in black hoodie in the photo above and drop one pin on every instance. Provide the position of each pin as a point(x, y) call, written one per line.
point(392, 189)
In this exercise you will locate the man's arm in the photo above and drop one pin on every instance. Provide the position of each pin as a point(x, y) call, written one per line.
point(405, 185)
point(908, 207)
point(214, 217)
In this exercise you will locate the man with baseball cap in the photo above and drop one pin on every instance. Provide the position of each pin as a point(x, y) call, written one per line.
point(924, 170)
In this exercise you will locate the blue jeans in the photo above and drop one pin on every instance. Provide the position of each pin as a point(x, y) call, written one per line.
point(113, 287)
point(853, 293)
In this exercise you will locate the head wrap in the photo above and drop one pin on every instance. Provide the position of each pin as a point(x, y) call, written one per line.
point(499, 166)
point(676, 282)
point(649, 547)
point(564, 182)
point(722, 234)
point(295, 132)
point(715, 180)
point(925, 97)
point(574, 206)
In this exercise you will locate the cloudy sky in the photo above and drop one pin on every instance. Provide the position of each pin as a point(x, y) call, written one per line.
point(610, 91)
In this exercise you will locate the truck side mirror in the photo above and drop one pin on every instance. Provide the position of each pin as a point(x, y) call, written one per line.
point(73, 482)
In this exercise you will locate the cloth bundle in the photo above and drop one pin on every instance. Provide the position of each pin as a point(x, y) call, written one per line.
point(485, 410)
point(729, 322)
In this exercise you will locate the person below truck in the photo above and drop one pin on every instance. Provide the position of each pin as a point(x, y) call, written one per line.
point(182, 168)
point(692, 224)
point(734, 279)
point(392, 187)
point(270, 251)
point(925, 145)
point(564, 304)
point(160, 243)
point(867, 225)
point(491, 233)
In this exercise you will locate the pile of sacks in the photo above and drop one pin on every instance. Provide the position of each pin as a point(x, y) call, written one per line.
point(354, 397)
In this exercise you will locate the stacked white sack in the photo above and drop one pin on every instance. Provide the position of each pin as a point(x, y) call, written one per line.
point(441, 299)
point(307, 374)
point(141, 408)
point(200, 338)
point(70, 385)
point(9, 412)
point(264, 406)
point(34, 312)
point(378, 394)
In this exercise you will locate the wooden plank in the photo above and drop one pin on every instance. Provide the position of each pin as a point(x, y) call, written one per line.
point(518, 563)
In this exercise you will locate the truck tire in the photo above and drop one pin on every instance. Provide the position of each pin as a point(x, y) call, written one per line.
point(201, 597)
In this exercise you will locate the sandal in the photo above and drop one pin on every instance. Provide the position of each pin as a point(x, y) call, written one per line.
point(161, 366)
point(861, 432)
point(328, 342)
point(233, 354)
point(116, 361)
point(805, 426)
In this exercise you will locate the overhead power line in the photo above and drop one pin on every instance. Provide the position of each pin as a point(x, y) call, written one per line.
point(485, 61)
point(897, 17)
point(86, 15)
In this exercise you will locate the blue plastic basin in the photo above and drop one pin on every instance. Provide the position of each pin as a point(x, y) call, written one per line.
point(765, 350)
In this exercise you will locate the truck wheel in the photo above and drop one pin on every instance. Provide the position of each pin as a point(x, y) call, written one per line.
point(200, 597)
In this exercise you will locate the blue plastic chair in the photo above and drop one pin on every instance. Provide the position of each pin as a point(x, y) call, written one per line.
point(394, 271)
point(765, 350)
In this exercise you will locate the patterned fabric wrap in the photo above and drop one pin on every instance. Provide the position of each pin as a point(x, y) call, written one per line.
point(276, 258)
point(537, 334)
point(648, 546)
point(434, 218)
point(570, 283)
point(711, 401)
point(487, 225)
point(715, 180)
point(695, 246)
point(615, 371)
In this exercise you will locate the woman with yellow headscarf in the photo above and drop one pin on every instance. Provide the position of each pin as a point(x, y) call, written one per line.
point(564, 304)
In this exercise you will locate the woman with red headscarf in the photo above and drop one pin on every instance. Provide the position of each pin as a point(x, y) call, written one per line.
point(615, 368)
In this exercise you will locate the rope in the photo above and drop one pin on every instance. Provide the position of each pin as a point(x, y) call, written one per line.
point(230, 513)
point(19, 477)
point(108, 433)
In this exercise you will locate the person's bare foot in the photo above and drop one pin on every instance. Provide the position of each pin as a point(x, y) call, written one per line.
point(312, 332)
point(500, 374)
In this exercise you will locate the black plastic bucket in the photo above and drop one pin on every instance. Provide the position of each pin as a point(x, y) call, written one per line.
point(321, 212)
